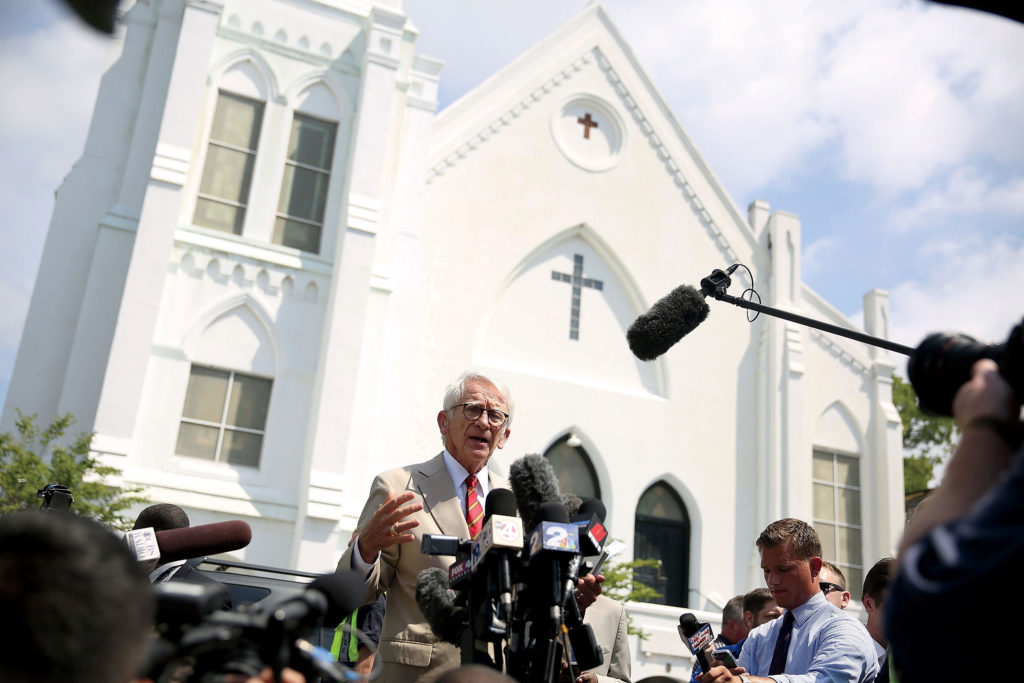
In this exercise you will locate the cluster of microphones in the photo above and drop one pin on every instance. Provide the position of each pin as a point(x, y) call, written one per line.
point(509, 598)
point(199, 636)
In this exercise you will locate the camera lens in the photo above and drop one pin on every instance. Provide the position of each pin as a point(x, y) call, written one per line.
point(941, 364)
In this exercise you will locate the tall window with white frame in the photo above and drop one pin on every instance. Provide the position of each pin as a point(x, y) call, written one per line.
point(230, 157)
point(837, 513)
point(225, 416)
point(307, 173)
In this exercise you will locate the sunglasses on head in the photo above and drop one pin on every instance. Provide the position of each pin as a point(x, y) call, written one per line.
point(827, 587)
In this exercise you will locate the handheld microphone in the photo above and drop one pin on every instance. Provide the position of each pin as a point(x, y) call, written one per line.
point(503, 532)
point(593, 533)
point(669, 320)
point(200, 541)
point(437, 602)
point(697, 636)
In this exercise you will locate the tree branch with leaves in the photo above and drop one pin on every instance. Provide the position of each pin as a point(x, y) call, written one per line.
point(930, 439)
point(33, 457)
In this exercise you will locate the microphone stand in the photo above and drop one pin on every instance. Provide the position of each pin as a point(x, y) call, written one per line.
point(716, 284)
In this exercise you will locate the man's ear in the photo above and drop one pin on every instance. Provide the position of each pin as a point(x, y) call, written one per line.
point(869, 604)
point(442, 422)
point(503, 438)
point(816, 563)
point(748, 619)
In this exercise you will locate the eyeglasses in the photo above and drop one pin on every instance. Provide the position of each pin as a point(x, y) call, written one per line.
point(473, 411)
point(827, 587)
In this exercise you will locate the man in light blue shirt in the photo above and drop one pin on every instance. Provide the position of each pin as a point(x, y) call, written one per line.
point(814, 640)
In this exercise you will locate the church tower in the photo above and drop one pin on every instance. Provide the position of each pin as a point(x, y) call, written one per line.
point(203, 297)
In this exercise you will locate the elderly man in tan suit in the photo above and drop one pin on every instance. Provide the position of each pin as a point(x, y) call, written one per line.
point(428, 498)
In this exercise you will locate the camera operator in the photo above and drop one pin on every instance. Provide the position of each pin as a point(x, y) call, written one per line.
point(965, 545)
point(76, 604)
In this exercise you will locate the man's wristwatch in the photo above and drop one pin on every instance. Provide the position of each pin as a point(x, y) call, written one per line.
point(745, 678)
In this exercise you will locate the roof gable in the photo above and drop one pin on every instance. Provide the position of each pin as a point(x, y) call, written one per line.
point(590, 40)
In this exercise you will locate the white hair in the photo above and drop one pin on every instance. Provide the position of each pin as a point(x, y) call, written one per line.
point(454, 392)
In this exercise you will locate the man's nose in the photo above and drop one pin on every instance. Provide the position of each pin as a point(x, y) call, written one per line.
point(483, 420)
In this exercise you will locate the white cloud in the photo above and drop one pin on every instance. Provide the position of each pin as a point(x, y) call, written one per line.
point(50, 77)
point(974, 286)
point(964, 192)
point(900, 92)
point(914, 92)
point(819, 257)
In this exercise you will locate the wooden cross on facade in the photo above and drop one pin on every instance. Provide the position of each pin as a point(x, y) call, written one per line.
point(578, 282)
point(587, 124)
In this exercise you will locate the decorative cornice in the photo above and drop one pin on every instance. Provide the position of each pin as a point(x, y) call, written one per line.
point(714, 231)
point(838, 352)
point(505, 118)
point(196, 260)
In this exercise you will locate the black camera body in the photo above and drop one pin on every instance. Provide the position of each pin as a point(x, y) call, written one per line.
point(55, 496)
point(941, 364)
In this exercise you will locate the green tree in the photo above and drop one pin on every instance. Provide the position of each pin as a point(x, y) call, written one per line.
point(929, 439)
point(622, 585)
point(32, 458)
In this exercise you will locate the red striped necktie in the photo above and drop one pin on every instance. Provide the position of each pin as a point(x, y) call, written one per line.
point(474, 511)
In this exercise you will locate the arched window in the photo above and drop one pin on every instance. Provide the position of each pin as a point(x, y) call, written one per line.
point(230, 159)
point(662, 532)
point(307, 172)
point(573, 469)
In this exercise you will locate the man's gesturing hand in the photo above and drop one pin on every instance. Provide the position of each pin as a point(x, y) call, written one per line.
point(386, 527)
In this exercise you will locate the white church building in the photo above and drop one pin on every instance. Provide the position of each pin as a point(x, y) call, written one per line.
point(274, 253)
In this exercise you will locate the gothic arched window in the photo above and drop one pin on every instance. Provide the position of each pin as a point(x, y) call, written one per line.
point(573, 468)
point(662, 532)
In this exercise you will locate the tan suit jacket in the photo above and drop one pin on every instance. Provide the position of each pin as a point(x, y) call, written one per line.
point(408, 648)
point(608, 619)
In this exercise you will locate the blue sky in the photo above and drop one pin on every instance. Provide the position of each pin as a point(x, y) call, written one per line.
point(891, 127)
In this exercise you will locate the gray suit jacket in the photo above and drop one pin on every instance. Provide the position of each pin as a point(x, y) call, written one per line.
point(608, 619)
point(408, 648)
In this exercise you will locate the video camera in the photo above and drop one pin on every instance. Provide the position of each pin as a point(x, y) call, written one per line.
point(55, 497)
point(942, 363)
point(198, 641)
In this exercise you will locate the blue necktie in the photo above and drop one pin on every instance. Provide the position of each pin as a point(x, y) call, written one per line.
point(778, 665)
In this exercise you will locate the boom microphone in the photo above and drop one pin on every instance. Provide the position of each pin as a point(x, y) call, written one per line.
point(437, 602)
point(669, 320)
point(533, 484)
point(205, 539)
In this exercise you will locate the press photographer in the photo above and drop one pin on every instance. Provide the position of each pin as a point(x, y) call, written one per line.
point(964, 544)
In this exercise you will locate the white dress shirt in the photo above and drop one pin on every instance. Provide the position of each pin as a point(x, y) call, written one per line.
point(827, 644)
